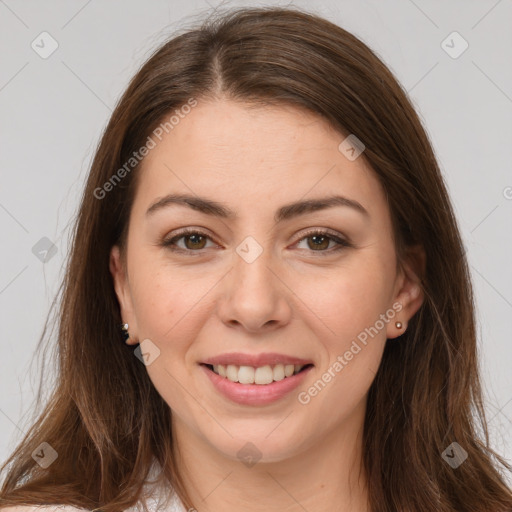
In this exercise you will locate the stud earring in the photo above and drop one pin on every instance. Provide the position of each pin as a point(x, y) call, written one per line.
point(124, 328)
point(398, 325)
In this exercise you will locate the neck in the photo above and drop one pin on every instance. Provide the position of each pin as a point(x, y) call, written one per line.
point(327, 475)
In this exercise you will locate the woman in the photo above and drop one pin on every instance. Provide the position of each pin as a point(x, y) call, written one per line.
point(266, 220)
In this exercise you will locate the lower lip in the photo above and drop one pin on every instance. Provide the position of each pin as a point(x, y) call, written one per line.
point(255, 394)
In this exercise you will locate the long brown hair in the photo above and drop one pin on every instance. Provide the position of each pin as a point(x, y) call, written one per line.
point(105, 419)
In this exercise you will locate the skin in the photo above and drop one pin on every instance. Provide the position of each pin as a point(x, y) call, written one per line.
point(292, 299)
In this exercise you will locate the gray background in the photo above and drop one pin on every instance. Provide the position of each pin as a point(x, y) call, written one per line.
point(54, 109)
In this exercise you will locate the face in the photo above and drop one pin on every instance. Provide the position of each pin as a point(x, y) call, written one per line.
point(255, 276)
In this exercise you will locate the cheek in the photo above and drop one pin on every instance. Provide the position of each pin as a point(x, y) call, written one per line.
point(347, 301)
point(348, 324)
point(170, 303)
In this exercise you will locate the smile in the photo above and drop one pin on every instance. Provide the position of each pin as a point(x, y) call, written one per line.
point(254, 386)
point(260, 375)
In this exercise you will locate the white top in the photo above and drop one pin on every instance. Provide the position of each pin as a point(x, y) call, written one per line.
point(157, 499)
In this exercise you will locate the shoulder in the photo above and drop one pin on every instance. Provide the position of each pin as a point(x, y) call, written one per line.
point(42, 508)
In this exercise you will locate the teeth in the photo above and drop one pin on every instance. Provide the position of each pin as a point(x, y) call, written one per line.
point(245, 375)
point(231, 372)
point(279, 372)
point(261, 375)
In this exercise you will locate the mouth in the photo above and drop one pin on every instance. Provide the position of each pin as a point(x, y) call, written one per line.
point(260, 376)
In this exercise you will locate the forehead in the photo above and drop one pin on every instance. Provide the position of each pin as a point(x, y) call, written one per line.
point(248, 156)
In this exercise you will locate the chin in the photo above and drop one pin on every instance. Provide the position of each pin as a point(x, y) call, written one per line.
point(257, 442)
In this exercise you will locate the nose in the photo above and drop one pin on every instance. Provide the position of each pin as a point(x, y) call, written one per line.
point(254, 295)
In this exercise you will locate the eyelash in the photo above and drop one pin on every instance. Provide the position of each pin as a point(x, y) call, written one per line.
point(342, 244)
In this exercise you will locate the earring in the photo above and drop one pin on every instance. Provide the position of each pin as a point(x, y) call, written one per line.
point(124, 328)
point(398, 325)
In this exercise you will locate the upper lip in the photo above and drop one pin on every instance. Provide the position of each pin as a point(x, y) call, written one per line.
point(254, 360)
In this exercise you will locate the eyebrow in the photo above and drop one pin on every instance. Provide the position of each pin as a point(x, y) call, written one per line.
point(286, 212)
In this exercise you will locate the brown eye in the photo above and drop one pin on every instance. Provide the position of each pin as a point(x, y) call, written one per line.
point(318, 241)
point(194, 241)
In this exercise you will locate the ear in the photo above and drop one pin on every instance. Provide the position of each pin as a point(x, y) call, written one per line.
point(122, 289)
point(408, 292)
